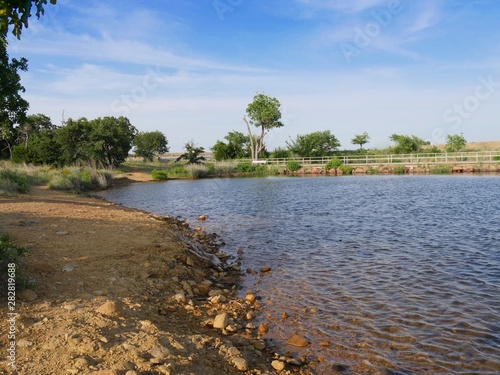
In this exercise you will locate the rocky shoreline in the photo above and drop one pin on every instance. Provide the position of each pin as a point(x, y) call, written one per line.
point(122, 292)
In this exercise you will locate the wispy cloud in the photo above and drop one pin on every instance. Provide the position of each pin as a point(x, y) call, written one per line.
point(342, 5)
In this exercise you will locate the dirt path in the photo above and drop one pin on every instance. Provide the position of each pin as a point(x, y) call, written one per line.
point(116, 292)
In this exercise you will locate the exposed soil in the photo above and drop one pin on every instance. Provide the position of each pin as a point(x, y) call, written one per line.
point(117, 292)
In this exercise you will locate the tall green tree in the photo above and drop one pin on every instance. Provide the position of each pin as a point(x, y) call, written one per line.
point(264, 113)
point(316, 144)
point(16, 13)
point(12, 106)
point(236, 147)
point(360, 139)
point(104, 141)
point(406, 144)
point(455, 143)
point(192, 154)
point(150, 144)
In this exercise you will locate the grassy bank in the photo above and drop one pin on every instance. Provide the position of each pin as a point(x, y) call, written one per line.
point(19, 178)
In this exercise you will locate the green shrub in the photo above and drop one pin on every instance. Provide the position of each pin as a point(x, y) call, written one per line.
point(372, 170)
point(346, 169)
point(178, 171)
point(293, 165)
point(251, 168)
point(159, 174)
point(197, 170)
point(14, 182)
point(441, 169)
point(398, 169)
point(333, 164)
point(10, 254)
point(496, 158)
point(80, 180)
point(244, 168)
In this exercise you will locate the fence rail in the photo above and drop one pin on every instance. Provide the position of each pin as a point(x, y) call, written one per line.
point(407, 159)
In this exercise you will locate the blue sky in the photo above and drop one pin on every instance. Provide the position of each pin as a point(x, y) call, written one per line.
point(190, 68)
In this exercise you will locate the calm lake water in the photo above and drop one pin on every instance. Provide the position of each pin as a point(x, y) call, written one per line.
point(400, 274)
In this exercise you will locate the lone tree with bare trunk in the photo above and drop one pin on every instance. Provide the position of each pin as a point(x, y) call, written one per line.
point(264, 113)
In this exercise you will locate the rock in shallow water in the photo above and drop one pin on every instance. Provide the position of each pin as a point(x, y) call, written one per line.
point(297, 340)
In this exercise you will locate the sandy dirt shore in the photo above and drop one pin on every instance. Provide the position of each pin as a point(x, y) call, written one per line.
point(116, 291)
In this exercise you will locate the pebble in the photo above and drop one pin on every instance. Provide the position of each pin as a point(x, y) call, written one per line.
point(259, 344)
point(265, 269)
point(250, 298)
point(278, 365)
point(110, 308)
point(240, 363)
point(297, 340)
point(23, 343)
point(81, 363)
point(180, 298)
point(221, 321)
point(159, 352)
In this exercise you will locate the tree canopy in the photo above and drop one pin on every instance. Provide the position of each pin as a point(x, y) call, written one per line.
point(316, 144)
point(360, 139)
point(16, 13)
point(236, 147)
point(12, 106)
point(455, 143)
point(193, 153)
point(406, 144)
point(150, 144)
point(264, 113)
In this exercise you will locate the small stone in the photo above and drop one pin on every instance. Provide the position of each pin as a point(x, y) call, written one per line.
point(72, 371)
point(81, 363)
point(250, 298)
point(27, 295)
point(180, 298)
point(103, 339)
point(23, 343)
point(131, 372)
point(263, 328)
point(221, 321)
point(233, 352)
point(159, 352)
point(110, 308)
point(324, 344)
point(202, 217)
point(278, 365)
point(240, 363)
point(265, 269)
point(297, 340)
point(203, 288)
point(189, 262)
point(250, 315)
point(61, 233)
point(259, 344)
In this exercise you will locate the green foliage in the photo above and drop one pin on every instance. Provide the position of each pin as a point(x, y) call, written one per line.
point(80, 180)
point(10, 254)
point(455, 143)
point(237, 147)
point(333, 164)
point(360, 139)
point(250, 168)
point(441, 169)
point(316, 144)
point(178, 171)
point(103, 141)
point(398, 169)
point(12, 182)
point(293, 165)
point(16, 13)
point(264, 113)
point(12, 106)
point(192, 154)
point(346, 169)
point(150, 144)
point(406, 144)
point(197, 170)
point(280, 153)
point(496, 158)
point(159, 174)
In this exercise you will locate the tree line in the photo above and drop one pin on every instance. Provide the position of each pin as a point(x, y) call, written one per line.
point(107, 141)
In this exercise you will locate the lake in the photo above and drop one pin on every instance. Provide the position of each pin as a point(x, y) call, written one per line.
point(399, 274)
